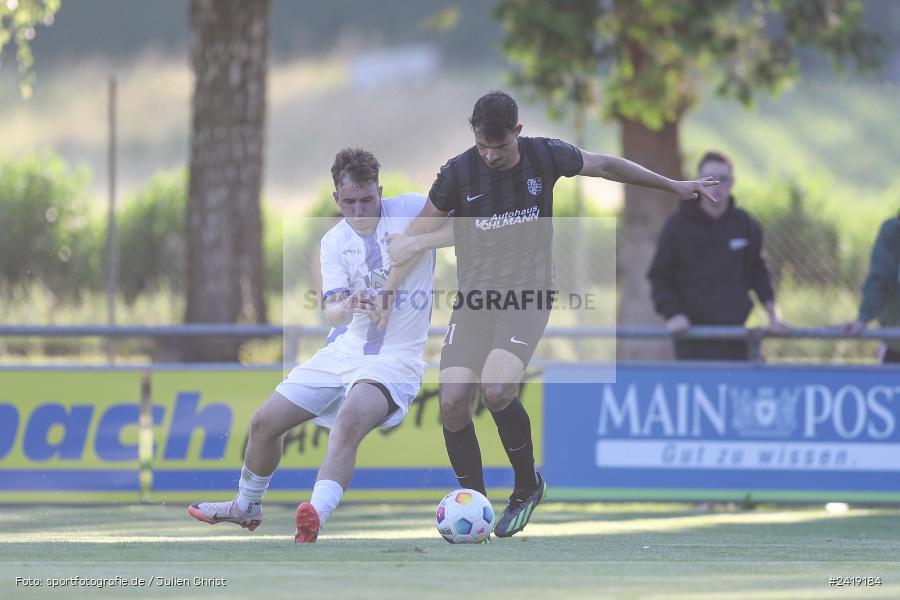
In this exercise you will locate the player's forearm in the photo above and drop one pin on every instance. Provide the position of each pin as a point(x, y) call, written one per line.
point(429, 219)
point(423, 225)
point(623, 170)
point(413, 249)
point(398, 275)
point(334, 314)
point(439, 238)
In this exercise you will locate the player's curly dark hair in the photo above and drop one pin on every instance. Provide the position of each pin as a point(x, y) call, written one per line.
point(495, 114)
point(360, 165)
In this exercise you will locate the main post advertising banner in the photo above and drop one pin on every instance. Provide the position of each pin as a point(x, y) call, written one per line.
point(708, 432)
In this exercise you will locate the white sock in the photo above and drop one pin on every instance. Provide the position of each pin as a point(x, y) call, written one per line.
point(325, 497)
point(251, 489)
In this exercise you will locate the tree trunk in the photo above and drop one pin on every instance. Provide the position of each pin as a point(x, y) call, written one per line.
point(229, 54)
point(645, 213)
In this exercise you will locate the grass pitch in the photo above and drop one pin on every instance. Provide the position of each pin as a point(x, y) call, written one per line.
point(393, 551)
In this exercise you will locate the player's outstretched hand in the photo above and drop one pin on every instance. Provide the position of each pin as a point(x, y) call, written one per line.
point(400, 247)
point(696, 188)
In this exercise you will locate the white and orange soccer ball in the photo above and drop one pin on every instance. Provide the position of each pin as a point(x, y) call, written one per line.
point(465, 517)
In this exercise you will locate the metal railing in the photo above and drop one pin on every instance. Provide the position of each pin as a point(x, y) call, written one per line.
point(293, 333)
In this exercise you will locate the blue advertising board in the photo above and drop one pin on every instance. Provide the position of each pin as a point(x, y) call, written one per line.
point(708, 432)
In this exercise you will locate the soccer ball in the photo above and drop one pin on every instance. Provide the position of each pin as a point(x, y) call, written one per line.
point(465, 517)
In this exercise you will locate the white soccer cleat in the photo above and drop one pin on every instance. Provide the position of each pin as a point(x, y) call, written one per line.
point(226, 512)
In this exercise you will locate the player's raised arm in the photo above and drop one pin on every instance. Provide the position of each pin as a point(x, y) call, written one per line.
point(623, 170)
point(443, 198)
point(405, 252)
point(429, 219)
point(403, 247)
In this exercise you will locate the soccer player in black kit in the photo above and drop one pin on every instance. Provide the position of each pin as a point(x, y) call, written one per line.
point(504, 185)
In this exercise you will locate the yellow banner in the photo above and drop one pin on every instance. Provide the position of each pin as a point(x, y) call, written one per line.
point(68, 435)
point(202, 418)
point(205, 418)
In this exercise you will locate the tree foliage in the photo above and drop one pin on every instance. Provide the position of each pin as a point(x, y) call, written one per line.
point(18, 19)
point(653, 56)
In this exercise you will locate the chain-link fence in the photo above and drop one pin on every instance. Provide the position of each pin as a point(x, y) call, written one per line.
point(817, 252)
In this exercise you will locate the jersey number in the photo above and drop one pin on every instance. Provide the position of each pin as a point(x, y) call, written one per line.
point(448, 339)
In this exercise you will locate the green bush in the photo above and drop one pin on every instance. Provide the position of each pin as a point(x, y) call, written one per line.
point(47, 234)
point(151, 236)
point(152, 239)
point(273, 251)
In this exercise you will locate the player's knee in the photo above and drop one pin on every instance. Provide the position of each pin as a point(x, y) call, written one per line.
point(262, 427)
point(497, 396)
point(348, 431)
point(455, 415)
point(456, 406)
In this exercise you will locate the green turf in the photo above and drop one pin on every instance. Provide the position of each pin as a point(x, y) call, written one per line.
point(393, 551)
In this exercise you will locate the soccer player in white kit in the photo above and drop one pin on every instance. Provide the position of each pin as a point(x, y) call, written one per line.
point(368, 374)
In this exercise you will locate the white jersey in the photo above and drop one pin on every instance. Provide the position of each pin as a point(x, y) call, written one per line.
point(354, 262)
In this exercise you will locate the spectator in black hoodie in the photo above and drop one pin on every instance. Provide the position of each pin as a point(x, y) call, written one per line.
point(708, 258)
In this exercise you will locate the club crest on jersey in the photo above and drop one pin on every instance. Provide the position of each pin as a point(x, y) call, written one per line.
point(376, 278)
point(535, 185)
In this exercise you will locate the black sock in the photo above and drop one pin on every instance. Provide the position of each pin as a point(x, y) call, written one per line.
point(514, 427)
point(465, 456)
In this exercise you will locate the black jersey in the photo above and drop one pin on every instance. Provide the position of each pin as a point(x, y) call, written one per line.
point(506, 239)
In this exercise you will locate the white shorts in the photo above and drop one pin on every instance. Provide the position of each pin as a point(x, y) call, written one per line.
point(320, 384)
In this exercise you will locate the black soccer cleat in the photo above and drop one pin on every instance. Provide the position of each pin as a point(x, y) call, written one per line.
point(517, 513)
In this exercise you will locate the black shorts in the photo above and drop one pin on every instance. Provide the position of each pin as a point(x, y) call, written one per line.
point(473, 333)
